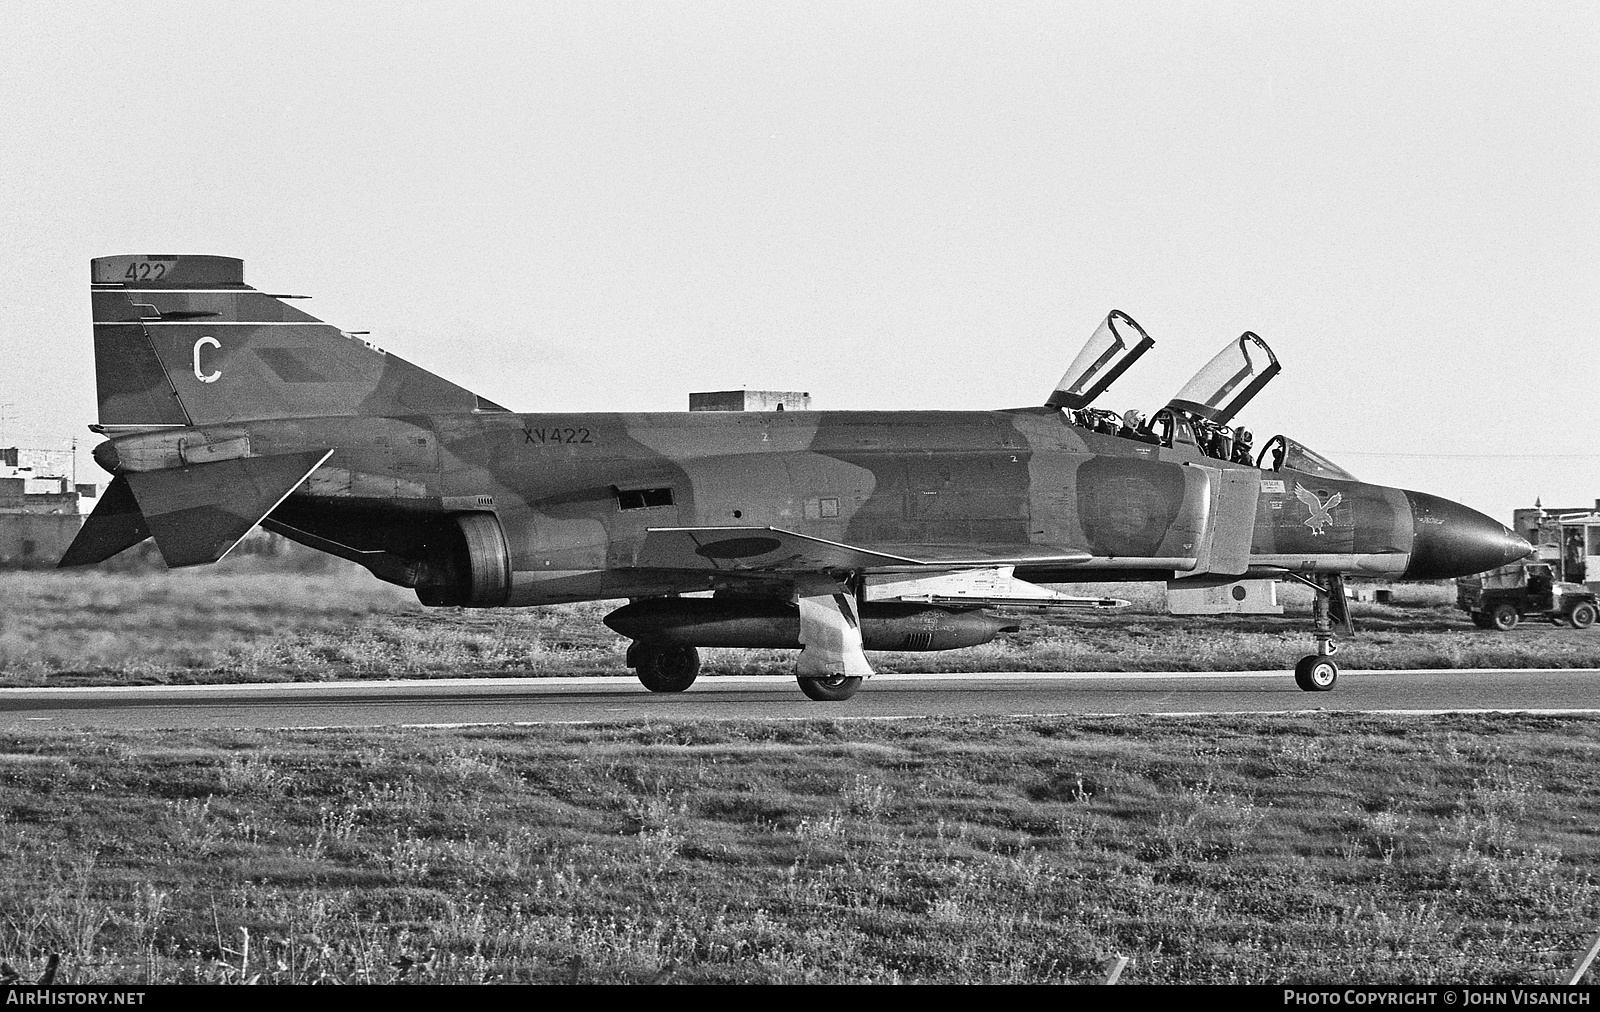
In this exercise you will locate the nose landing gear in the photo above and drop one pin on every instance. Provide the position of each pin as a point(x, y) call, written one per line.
point(1319, 672)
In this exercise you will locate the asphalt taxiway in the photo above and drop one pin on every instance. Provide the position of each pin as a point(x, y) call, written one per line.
point(773, 697)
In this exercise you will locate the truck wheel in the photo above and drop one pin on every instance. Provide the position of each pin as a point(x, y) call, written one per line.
point(1582, 615)
point(1504, 616)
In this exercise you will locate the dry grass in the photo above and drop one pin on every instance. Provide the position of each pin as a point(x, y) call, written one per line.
point(239, 622)
point(952, 850)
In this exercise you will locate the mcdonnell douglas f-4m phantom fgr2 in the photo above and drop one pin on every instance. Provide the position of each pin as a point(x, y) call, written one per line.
point(833, 532)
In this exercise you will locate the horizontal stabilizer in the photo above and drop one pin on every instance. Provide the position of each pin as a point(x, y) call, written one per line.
point(199, 512)
point(771, 549)
point(115, 526)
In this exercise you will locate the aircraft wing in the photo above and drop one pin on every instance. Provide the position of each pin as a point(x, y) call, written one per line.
point(772, 549)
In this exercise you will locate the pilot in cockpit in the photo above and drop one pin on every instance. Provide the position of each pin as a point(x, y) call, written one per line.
point(1242, 450)
point(1137, 427)
point(1200, 412)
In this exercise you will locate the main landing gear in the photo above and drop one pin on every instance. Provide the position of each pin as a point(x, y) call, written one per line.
point(664, 668)
point(831, 689)
point(831, 664)
point(1319, 672)
point(673, 669)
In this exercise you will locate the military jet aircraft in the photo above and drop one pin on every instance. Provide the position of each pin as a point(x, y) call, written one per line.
point(836, 532)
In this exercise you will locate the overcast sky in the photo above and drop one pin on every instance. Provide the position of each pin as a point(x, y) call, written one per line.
point(591, 206)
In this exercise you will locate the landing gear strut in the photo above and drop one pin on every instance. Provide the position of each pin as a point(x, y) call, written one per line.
point(1319, 672)
point(831, 663)
point(664, 668)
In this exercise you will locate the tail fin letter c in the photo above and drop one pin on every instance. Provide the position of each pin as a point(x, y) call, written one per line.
point(207, 377)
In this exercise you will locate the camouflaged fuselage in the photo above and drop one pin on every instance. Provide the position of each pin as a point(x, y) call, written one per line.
point(569, 491)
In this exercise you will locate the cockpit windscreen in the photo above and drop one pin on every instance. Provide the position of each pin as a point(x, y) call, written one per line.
point(1229, 381)
point(1284, 454)
point(1112, 348)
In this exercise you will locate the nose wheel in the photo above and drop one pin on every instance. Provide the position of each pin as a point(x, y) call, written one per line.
point(1316, 673)
point(1319, 672)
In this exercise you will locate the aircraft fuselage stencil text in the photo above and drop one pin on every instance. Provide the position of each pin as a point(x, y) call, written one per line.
point(555, 434)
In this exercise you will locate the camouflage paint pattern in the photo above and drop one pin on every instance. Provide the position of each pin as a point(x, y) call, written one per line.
point(203, 379)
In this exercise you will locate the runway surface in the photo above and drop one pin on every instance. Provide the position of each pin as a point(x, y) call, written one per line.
point(559, 700)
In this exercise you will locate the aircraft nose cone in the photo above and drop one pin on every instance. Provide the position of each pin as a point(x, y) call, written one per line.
point(1448, 540)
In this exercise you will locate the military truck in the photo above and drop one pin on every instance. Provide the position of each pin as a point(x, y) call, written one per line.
point(1501, 598)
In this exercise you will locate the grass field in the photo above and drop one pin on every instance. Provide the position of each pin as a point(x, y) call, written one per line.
point(1313, 849)
point(1306, 849)
point(238, 622)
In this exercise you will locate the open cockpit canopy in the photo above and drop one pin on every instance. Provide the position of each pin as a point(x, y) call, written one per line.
point(1112, 348)
point(1229, 381)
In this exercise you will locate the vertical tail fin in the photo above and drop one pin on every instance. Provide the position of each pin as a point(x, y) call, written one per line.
point(182, 340)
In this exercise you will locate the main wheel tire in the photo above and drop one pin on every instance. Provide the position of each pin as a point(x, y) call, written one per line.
point(832, 689)
point(668, 669)
point(1581, 615)
point(1504, 616)
point(1316, 673)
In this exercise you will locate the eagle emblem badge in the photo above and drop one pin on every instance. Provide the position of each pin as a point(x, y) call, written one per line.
point(1321, 512)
